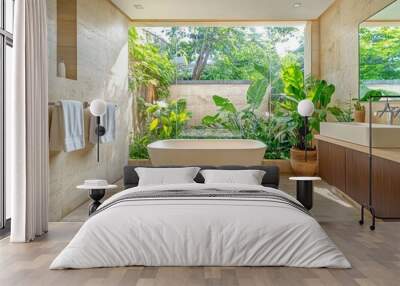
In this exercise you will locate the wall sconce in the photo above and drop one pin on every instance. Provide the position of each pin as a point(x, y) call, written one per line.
point(98, 108)
point(306, 109)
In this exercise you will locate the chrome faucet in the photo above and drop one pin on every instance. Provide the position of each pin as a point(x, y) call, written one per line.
point(391, 111)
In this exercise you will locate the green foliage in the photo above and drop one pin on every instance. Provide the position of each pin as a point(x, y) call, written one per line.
point(341, 115)
point(379, 53)
point(358, 106)
point(138, 147)
point(230, 53)
point(218, 53)
point(256, 93)
point(167, 120)
point(376, 94)
point(297, 89)
point(148, 66)
point(274, 132)
point(163, 121)
point(229, 117)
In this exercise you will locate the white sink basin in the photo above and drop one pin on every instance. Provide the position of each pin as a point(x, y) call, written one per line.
point(383, 136)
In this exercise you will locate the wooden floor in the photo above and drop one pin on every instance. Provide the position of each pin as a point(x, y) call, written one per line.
point(375, 257)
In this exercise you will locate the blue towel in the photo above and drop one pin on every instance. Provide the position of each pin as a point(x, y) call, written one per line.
point(67, 127)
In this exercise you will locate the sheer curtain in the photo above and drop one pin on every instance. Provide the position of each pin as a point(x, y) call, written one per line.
point(27, 124)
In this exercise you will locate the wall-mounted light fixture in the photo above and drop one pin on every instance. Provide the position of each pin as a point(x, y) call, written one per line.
point(98, 108)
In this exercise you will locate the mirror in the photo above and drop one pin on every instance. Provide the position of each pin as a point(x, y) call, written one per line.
point(379, 51)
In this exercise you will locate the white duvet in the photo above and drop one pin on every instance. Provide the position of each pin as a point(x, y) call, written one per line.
point(202, 232)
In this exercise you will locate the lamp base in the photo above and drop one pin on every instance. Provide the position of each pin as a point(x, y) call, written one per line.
point(100, 130)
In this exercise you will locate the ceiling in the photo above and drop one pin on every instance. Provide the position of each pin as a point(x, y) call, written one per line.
point(390, 13)
point(222, 10)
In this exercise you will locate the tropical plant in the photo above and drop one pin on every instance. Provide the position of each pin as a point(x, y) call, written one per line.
point(229, 117)
point(297, 89)
point(167, 120)
point(148, 66)
point(273, 131)
point(358, 106)
point(138, 147)
point(276, 133)
point(341, 115)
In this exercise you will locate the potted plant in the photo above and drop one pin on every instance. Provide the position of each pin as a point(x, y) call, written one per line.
point(359, 112)
point(296, 89)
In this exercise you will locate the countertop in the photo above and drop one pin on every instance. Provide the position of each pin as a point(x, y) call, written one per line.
point(392, 154)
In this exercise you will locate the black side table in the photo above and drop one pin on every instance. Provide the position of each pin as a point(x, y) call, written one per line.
point(96, 193)
point(304, 190)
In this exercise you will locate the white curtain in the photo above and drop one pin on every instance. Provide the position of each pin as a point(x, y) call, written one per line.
point(27, 120)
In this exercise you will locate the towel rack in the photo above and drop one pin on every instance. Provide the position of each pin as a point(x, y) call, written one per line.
point(85, 104)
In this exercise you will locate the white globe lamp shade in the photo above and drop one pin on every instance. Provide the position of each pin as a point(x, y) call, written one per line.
point(305, 108)
point(98, 107)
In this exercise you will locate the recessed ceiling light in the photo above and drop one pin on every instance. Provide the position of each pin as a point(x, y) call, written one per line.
point(138, 6)
point(297, 5)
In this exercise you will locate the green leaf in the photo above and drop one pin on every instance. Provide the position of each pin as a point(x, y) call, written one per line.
point(154, 124)
point(165, 120)
point(375, 95)
point(256, 93)
point(152, 108)
point(263, 69)
point(224, 104)
point(209, 120)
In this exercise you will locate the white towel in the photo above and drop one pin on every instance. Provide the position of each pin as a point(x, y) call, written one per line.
point(67, 127)
point(108, 120)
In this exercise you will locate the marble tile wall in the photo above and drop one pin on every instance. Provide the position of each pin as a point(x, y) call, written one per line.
point(339, 43)
point(102, 73)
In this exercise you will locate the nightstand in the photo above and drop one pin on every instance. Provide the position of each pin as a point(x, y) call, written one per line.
point(96, 193)
point(304, 190)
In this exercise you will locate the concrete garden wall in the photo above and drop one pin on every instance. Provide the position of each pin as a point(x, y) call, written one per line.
point(199, 96)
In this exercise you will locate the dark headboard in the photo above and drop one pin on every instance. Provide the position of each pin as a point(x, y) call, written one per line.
point(271, 177)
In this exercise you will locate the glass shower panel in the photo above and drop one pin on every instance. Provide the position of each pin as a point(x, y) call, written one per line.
point(9, 12)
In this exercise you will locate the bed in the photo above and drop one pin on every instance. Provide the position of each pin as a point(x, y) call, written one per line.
point(201, 224)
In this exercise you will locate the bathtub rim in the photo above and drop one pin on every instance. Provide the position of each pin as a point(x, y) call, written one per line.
point(256, 146)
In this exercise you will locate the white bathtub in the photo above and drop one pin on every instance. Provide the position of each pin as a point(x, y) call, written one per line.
point(216, 152)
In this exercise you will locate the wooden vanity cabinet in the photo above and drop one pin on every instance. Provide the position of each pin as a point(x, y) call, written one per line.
point(357, 177)
point(332, 164)
point(347, 170)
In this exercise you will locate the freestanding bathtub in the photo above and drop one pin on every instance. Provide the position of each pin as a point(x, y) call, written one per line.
point(215, 152)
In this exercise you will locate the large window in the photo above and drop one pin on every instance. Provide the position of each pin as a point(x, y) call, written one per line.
point(6, 60)
point(196, 82)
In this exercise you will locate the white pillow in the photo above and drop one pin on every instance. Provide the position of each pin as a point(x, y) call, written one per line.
point(166, 176)
point(247, 177)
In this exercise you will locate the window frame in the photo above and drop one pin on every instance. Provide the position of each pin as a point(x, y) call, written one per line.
point(6, 39)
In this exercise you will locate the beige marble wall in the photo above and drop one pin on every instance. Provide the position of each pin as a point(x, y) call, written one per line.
point(311, 49)
point(102, 73)
point(339, 43)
